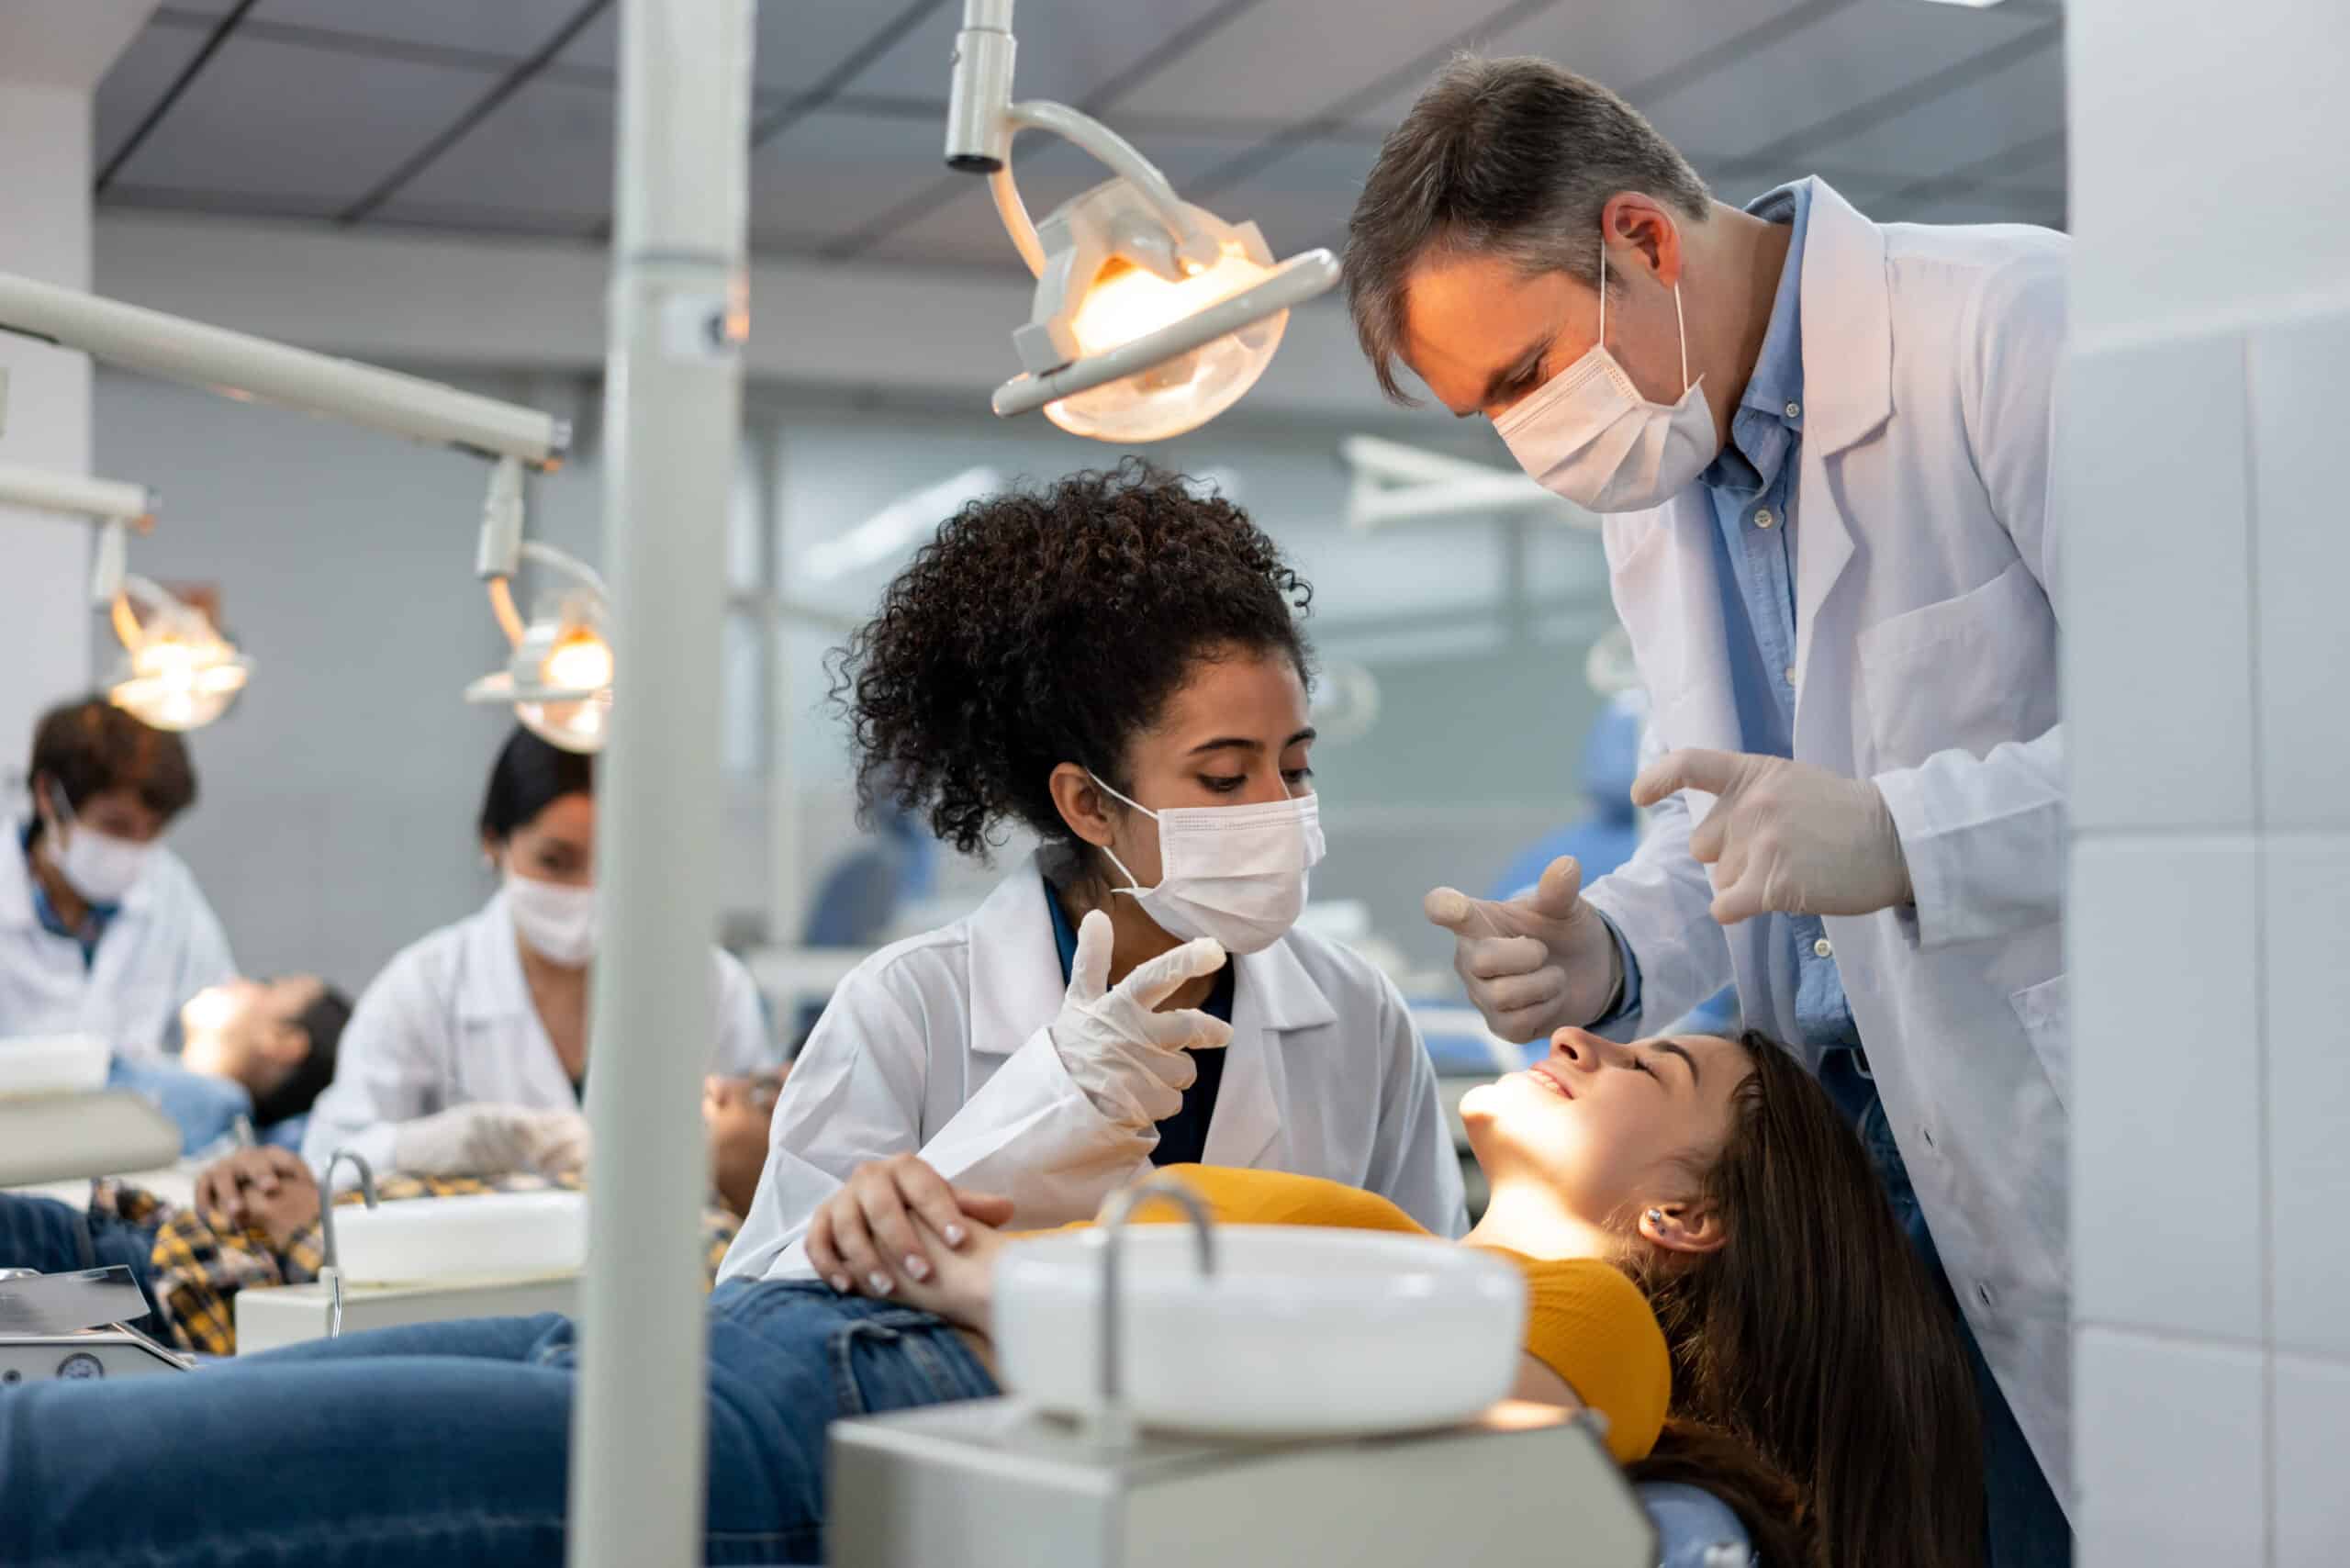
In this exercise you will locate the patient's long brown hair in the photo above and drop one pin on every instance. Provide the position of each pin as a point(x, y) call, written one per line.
point(1816, 1337)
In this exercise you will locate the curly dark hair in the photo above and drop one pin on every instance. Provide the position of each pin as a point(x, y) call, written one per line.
point(1050, 625)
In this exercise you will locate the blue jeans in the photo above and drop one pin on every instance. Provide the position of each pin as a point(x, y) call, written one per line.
point(56, 1239)
point(2026, 1525)
point(445, 1445)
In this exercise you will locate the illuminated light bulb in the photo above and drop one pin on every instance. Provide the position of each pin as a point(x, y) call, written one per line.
point(182, 675)
point(1126, 302)
point(580, 659)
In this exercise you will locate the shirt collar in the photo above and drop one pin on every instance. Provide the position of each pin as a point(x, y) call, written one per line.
point(1761, 425)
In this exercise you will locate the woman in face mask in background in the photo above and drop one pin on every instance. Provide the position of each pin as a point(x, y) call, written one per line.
point(1114, 665)
point(468, 1054)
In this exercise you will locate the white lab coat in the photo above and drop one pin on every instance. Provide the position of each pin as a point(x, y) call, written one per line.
point(450, 1021)
point(162, 946)
point(939, 1044)
point(1926, 660)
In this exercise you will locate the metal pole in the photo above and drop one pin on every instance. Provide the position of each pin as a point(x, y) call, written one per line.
point(673, 397)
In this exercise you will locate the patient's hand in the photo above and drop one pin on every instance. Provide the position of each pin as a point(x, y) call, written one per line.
point(270, 1189)
point(863, 1238)
point(961, 1288)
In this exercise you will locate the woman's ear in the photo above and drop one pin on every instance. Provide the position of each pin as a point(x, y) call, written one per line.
point(1081, 803)
point(1693, 1228)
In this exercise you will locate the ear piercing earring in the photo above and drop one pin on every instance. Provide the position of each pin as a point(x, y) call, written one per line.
point(1656, 1216)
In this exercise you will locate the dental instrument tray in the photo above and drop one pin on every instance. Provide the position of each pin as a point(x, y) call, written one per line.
point(69, 1327)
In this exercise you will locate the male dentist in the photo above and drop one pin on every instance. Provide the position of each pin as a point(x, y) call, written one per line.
point(1823, 445)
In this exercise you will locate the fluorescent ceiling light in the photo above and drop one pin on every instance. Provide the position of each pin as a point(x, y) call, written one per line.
point(898, 527)
point(1151, 316)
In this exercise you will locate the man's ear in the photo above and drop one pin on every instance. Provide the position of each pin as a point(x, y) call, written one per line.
point(1693, 1228)
point(1081, 803)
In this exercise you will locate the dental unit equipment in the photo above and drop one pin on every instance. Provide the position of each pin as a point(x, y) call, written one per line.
point(1249, 1395)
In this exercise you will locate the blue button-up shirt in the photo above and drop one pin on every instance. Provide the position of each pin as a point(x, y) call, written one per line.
point(1752, 484)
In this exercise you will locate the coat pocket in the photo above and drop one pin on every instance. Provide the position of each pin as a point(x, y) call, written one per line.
point(2045, 1014)
point(1968, 672)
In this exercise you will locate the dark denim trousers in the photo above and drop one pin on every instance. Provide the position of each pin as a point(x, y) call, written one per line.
point(444, 1445)
point(2027, 1525)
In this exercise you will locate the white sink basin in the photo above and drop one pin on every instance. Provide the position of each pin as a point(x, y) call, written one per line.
point(1302, 1331)
point(488, 1235)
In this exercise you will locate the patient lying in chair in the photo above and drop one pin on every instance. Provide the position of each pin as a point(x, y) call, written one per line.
point(254, 1221)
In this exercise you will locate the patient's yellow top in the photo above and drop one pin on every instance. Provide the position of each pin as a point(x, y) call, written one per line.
point(1584, 1320)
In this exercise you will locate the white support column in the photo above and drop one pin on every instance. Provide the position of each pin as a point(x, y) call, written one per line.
point(2206, 649)
point(44, 605)
point(50, 59)
point(674, 383)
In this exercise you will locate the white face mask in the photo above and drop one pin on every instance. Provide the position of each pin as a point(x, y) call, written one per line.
point(100, 866)
point(557, 921)
point(1235, 873)
point(1588, 434)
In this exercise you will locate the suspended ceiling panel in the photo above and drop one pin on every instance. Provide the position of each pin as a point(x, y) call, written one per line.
point(495, 117)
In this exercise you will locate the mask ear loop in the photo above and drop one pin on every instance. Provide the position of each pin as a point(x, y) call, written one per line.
point(1134, 888)
point(1679, 321)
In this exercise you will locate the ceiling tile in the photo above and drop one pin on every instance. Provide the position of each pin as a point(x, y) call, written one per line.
point(282, 122)
point(499, 218)
point(1067, 49)
point(1621, 45)
point(548, 149)
point(140, 77)
point(2023, 103)
point(798, 41)
point(1853, 56)
point(1294, 59)
point(516, 28)
point(837, 171)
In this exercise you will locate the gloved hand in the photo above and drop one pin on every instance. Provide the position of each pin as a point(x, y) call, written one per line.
point(1535, 964)
point(485, 1139)
point(1131, 1063)
point(1786, 836)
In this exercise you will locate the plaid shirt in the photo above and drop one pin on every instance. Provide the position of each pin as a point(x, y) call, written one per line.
point(198, 1269)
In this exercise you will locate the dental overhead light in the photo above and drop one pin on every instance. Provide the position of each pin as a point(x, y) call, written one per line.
point(1151, 316)
point(559, 677)
point(178, 671)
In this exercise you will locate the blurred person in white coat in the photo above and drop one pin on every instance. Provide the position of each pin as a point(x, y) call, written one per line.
point(1115, 663)
point(1822, 447)
point(469, 1054)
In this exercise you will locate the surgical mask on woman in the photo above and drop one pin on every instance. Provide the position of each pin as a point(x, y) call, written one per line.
point(1235, 873)
point(1587, 434)
point(99, 867)
point(556, 919)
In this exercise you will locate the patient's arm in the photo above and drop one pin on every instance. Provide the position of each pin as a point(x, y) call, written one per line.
point(1536, 1383)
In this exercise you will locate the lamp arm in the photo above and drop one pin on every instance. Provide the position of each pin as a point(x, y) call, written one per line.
point(1192, 243)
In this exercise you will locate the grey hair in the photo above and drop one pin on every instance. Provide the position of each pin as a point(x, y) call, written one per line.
point(1511, 158)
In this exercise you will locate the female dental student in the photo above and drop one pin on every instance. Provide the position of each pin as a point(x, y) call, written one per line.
point(1113, 663)
point(469, 1052)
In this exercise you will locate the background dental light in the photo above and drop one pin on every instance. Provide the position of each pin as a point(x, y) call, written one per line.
point(559, 677)
point(177, 672)
point(1151, 316)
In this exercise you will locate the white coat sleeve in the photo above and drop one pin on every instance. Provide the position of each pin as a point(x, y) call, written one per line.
point(1414, 1164)
point(855, 1094)
point(744, 1043)
point(1985, 836)
point(1661, 903)
point(386, 1070)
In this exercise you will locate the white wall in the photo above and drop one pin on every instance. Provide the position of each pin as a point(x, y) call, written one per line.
point(2206, 650)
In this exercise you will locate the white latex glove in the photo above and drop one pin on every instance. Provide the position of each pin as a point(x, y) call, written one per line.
point(485, 1139)
point(1135, 1063)
point(1786, 836)
point(1535, 964)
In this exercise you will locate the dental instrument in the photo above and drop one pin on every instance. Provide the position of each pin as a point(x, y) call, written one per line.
point(1151, 316)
